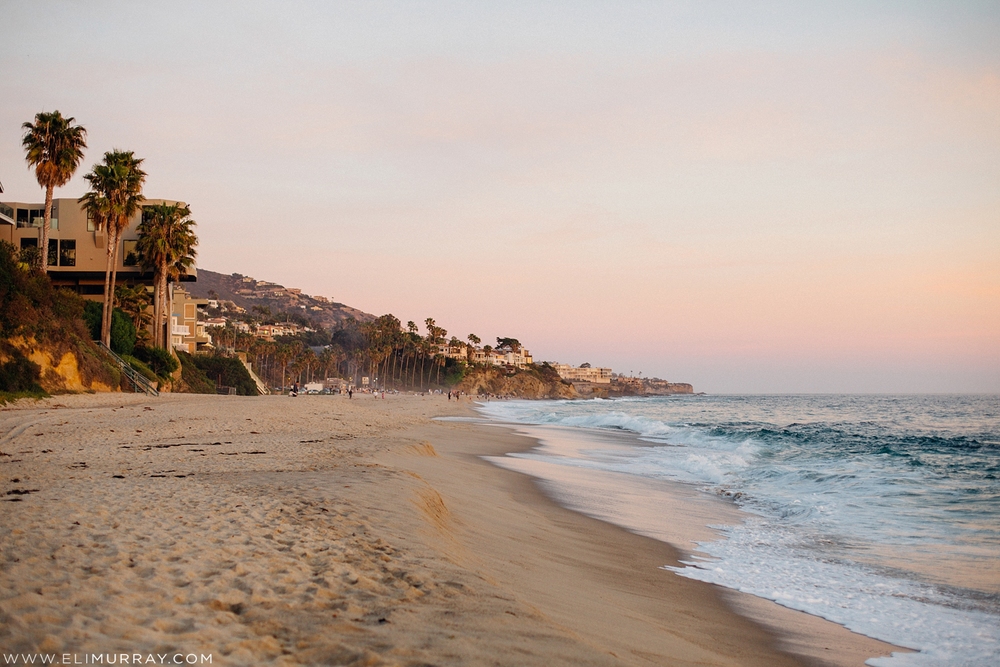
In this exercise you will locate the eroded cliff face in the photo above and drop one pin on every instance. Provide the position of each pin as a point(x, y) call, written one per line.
point(65, 367)
point(520, 384)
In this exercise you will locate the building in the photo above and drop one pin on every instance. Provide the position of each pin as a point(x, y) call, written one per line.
point(583, 373)
point(187, 329)
point(77, 250)
point(504, 356)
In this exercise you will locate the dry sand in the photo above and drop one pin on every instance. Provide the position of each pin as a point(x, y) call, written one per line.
point(323, 530)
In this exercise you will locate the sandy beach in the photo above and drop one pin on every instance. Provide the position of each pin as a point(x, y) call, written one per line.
point(323, 530)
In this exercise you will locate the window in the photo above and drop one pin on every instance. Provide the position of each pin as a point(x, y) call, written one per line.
point(67, 252)
point(130, 256)
point(53, 252)
point(91, 225)
point(28, 243)
point(34, 217)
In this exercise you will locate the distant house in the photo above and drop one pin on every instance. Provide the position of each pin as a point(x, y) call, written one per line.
point(583, 373)
point(504, 356)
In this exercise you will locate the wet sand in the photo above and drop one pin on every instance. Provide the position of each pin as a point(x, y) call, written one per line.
point(322, 530)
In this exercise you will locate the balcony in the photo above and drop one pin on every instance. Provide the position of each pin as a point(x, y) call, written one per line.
point(180, 330)
point(6, 214)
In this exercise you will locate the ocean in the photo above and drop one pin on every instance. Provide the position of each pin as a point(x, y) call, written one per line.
point(880, 513)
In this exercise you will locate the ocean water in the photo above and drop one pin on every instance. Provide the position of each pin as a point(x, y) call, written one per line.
point(881, 513)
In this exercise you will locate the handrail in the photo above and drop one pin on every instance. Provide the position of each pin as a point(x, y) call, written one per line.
point(139, 382)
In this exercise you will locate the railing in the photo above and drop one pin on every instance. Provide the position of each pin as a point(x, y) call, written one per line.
point(7, 213)
point(261, 387)
point(139, 382)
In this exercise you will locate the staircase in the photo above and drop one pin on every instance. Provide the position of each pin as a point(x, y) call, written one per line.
point(138, 381)
point(261, 387)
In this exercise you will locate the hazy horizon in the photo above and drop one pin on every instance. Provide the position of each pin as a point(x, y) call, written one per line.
point(789, 198)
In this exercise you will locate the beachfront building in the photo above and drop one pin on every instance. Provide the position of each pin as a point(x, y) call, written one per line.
point(583, 373)
point(187, 322)
point(77, 249)
point(504, 356)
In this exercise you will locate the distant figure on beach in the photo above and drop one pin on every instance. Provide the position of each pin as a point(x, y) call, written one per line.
point(295, 389)
point(350, 393)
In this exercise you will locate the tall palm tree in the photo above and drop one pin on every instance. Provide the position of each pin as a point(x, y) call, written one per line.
point(167, 246)
point(54, 147)
point(114, 198)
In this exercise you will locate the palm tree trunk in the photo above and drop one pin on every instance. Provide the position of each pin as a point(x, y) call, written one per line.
point(46, 221)
point(105, 319)
point(111, 290)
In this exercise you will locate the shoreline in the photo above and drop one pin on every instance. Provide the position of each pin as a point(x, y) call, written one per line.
point(315, 530)
point(809, 637)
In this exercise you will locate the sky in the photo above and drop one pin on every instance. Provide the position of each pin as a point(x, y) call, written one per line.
point(767, 197)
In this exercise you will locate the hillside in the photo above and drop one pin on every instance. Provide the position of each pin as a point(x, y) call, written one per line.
point(44, 343)
point(247, 292)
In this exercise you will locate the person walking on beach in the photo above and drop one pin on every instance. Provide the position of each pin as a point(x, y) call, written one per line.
point(350, 392)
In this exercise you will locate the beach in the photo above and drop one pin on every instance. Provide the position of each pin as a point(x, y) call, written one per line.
point(327, 530)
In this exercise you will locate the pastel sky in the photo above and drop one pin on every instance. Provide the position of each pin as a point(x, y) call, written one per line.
point(751, 197)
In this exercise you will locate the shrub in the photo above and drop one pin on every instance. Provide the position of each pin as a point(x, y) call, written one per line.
point(143, 369)
point(160, 361)
point(31, 308)
point(92, 317)
point(227, 372)
point(194, 379)
point(123, 333)
point(20, 374)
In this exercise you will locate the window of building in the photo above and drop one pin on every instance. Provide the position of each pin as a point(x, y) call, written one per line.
point(130, 256)
point(53, 252)
point(30, 217)
point(189, 313)
point(29, 243)
point(67, 252)
point(91, 225)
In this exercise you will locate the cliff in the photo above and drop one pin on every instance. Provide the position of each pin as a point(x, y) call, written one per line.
point(44, 343)
point(532, 382)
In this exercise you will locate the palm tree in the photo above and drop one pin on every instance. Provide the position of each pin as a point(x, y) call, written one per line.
point(134, 302)
point(166, 245)
point(54, 147)
point(474, 340)
point(114, 198)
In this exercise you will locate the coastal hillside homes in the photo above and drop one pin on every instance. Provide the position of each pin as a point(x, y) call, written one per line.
point(503, 356)
point(187, 330)
point(583, 373)
point(77, 250)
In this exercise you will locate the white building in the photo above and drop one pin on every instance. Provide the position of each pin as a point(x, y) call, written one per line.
point(583, 373)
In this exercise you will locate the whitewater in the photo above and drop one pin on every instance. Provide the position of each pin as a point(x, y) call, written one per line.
point(880, 513)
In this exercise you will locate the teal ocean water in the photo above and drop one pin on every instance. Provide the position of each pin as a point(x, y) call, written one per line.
point(881, 513)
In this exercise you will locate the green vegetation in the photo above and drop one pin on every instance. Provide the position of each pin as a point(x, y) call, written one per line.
point(159, 360)
point(193, 378)
point(34, 315)
point(123, 334)
point(143, 369)
point(226, 372)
